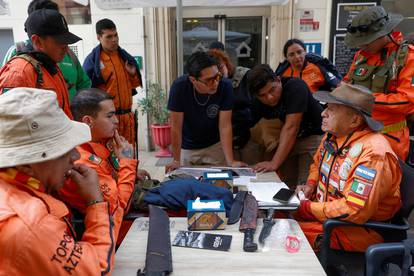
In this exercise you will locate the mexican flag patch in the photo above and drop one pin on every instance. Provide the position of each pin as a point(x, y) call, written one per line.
point(361, 188)
point(95, 159)
point(358, 194)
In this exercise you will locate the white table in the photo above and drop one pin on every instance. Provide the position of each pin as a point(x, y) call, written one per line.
point(187, 261)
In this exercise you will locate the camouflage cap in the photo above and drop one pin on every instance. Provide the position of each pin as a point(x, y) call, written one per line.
point(369, 25)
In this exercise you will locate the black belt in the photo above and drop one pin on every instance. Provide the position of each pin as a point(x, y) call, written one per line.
point(122, 111)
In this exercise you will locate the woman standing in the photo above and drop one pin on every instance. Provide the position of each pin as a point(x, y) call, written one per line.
point(318, 72)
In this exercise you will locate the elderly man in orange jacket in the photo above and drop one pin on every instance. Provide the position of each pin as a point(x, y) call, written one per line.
point(385, 65)
point(355, 175)
point(109, 154)
point(37, 153)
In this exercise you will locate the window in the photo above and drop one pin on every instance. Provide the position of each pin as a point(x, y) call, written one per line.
point(75, 13)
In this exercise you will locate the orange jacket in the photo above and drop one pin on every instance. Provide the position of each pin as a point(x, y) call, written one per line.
point(392, 107)
point(364, 182)
point(18, 72)
point(311, 74)
point(116, 185)
point(37, 238)
point(119, 84)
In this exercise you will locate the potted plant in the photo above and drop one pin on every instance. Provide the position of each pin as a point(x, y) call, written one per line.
point(155, 106)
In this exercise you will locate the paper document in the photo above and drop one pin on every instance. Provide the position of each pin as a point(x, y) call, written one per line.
point(264, 192)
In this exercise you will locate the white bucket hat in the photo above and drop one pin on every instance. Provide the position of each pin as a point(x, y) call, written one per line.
point(33, 128)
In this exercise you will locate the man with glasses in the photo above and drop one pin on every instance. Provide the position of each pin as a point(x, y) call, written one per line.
point(289, 100)
point(200, 105)
point(385, 65)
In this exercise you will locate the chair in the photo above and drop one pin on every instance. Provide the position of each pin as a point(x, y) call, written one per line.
point(378, 255)
point(394, 231)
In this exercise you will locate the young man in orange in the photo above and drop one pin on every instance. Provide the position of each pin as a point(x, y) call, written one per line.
point(109, 154)
point(355, 175)
point(113, 70)
point(50, 36)
point(385, 65)
point(37, 153)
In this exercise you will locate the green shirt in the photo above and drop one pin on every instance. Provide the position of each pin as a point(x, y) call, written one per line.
point(72, 71)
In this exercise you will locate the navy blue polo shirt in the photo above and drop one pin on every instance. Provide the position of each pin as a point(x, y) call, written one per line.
point(201, 112)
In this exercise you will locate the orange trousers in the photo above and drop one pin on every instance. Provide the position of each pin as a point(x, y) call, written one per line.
point(126, 127)
point(345, 238)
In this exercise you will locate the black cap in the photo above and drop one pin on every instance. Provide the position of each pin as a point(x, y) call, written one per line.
point(52, 23)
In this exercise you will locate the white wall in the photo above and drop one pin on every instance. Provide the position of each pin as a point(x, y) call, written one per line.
point(322, 13)
point(130, 28)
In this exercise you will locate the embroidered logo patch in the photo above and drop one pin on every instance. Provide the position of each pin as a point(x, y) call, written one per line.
point(366, 173)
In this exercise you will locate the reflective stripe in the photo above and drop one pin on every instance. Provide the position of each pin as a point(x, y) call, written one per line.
point(394, 127)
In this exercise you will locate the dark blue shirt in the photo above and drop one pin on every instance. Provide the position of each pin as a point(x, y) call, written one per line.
point(201, 112)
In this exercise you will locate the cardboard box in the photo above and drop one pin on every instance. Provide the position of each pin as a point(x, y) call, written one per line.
point(206, 218)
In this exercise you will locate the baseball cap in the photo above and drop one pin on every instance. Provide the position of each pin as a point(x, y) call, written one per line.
point(51, 23)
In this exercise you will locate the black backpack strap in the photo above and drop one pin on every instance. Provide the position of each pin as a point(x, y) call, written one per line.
point(282, 68)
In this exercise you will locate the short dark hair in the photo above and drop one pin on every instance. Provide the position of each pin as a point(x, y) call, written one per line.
point(104, 24)
point(86, 102)
point(199, 61)
point(290, 42)
point(35, 5)
point(258, 77)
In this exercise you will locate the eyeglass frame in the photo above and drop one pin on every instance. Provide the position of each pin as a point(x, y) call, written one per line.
point(365, 27)
point(212, 80)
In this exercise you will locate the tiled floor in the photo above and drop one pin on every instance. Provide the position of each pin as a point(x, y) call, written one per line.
point(147, 162)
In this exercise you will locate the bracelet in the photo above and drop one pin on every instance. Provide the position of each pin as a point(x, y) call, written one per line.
point(92, 202)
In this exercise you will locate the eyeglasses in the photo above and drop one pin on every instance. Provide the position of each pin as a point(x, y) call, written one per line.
point(364, 28)
point(212, 80)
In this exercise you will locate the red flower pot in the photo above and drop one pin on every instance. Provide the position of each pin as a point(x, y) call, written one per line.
point(161, 136)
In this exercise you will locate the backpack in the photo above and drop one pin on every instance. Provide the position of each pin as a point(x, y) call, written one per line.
point(328, 69)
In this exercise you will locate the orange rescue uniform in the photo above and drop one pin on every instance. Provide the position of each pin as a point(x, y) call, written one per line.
point(18, 72)
point(393, 106)
point(311, 74)
point(360, 183)
point(116, 185)
point(36, 235)
point(119, 84)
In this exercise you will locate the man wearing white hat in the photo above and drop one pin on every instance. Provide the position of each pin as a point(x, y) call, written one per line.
point(355, 175)
point(37, 154)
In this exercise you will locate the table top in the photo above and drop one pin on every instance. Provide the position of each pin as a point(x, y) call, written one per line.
point(272, 259)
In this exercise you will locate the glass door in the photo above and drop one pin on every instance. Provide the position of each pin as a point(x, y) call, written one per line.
point(242, 37)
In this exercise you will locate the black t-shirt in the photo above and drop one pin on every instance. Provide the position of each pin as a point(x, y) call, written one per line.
point(201, 112)
point(295, 98)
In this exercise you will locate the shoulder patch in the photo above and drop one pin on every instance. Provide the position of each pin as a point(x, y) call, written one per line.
point(366, 173)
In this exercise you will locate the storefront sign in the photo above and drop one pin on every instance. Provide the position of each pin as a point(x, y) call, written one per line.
point(347, 11)
point(315, 48)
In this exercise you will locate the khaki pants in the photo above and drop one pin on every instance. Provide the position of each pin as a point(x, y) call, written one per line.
point(251, 154)
point(212, 155)
point(295, 169)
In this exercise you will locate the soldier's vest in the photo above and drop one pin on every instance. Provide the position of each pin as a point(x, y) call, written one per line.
point(379, 78)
